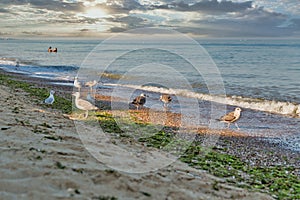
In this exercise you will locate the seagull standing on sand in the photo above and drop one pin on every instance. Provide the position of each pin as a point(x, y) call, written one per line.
point(91, 93)
point(77, 84)
point(83, 104)
point(50, 99)
point(90, 84)
point(232, 117)
point(139, 100)
point(166, 99)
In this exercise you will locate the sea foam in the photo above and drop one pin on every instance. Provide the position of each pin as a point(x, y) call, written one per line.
point(277, 107)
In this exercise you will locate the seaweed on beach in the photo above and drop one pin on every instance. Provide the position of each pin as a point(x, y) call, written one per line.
point(38, 94)
point(279, 181)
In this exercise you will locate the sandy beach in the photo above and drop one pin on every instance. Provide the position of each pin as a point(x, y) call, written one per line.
point(43, 157)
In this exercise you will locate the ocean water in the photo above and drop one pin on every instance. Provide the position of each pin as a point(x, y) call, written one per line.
point(259, 75)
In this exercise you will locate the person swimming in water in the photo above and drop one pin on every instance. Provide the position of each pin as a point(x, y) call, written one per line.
point(50, 49)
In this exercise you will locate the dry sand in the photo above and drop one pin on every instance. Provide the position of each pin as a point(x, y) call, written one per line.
point(42, 157)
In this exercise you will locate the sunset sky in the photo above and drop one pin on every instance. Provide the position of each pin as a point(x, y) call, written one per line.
point(203, 18)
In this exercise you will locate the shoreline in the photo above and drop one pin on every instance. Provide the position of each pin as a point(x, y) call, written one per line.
point(251, 150)
point(41, 82)
point(171, 120)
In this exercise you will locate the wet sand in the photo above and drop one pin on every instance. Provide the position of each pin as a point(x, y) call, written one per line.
point(43, 157)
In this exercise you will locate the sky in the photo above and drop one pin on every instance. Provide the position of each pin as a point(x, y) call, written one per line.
point(200, 18)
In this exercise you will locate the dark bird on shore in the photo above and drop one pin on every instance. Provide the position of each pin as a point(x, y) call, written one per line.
point(166, 99)
point(83, 104)
point(232, 117)
point(139, 100)
point(50, 99)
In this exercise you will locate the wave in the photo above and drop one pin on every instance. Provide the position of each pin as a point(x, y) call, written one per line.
point(10, 63)
point(55, 72)
point(62, 68)
point(277, 107)
point(7, 61)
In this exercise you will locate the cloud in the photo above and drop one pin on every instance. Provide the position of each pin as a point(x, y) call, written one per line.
point(224, 19)
point(296, 22)
point(2, 10)
point(69, 19)
point(129, 20)
point(250, 23)
point(47, 5)
point(121, 6)
point(230, 18)
point(32, 33)
point(84, 30)
point(117, 30)
point(207, 6)
point(4, 33)
point(295, 26)
point(127, 23)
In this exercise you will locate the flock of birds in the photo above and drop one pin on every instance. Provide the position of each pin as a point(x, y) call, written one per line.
point(139, 101)
point(229, 118)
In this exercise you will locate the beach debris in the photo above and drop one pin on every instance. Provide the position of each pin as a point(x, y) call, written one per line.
point(139, 100)
point(59, 165)
point(166, 99)
point(5, 128)
point(16, 110)
point(232, 117)
point(53, 137)
point(50, 99)
point(83, 104)
point(73, 191)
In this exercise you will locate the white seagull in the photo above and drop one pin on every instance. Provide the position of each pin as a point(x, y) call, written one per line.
point(139, 100)
point(232, 117)
point(50, 99)
point(83, 104)
point(77, 84)
point(166, 99)
point(91, 93)
point(91, 84)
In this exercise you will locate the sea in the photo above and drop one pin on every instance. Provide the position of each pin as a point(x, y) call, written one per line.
point(206, 77)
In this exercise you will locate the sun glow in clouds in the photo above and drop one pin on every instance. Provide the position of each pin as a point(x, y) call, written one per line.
point(93, 13)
